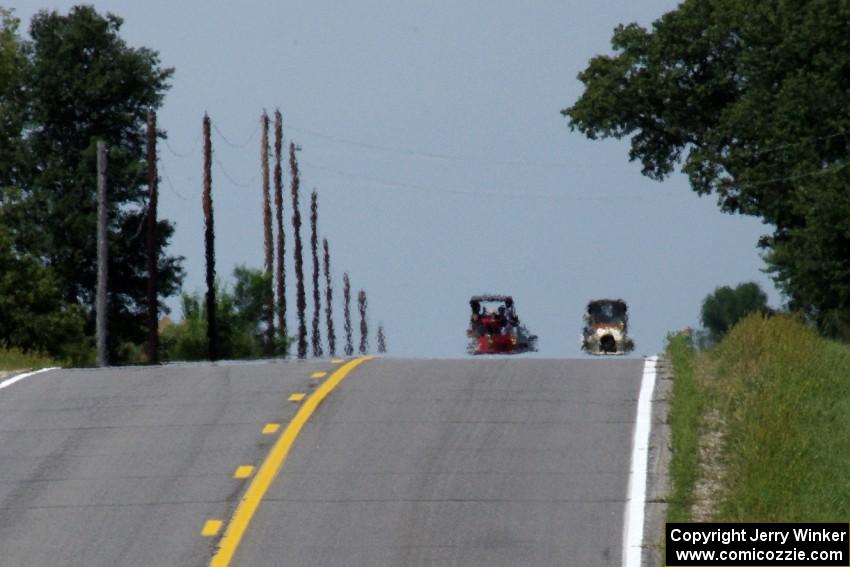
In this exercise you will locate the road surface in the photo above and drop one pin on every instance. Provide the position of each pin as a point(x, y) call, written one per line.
point(484, 461)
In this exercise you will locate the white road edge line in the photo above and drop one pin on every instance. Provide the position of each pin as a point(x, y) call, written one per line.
point(636, 500)
point(19, 377)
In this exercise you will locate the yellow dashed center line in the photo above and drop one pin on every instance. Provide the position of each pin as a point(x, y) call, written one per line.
point(265, 475)
point(271, 428)
point(296, 397)
point(211, 528)
point(318, 374)
point(243, 471)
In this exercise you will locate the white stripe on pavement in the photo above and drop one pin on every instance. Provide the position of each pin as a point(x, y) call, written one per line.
point(636, 500)
point(19, 377)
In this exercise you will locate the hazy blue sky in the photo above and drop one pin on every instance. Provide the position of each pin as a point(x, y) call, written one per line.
point(444, 169)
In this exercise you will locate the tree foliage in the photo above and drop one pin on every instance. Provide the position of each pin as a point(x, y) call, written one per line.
point(751, 98)
point(241, 319)
point(73, 83)
point(33, 314)
point(726, 306)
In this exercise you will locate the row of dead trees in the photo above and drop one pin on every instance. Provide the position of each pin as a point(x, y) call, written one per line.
point(277, 337)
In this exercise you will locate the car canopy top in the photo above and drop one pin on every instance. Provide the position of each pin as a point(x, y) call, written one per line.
point(489, 297)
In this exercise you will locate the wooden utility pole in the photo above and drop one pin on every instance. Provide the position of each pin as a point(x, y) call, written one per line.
point(281, 240)
point(329, 296)
point(362, 303)
point(301, 300)
point(316, 337)
point(267, 236)
point(153, 245)
point(102, 258)
point(209, 244)
point(382, 339)
point(346, 295)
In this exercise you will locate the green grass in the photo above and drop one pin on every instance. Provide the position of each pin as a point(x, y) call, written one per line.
point(16, 359)
point(685, 413)
point(783, 396)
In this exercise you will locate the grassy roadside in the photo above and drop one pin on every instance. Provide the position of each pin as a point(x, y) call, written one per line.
point(783, 397)
point(16, 359)
point(685, 411)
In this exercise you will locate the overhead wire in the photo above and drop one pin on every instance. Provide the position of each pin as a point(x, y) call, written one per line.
point(427, 154)
point(168, 181)
point(512, 163)
point(460, 159)
point(230, 178)
point(232, 144)
point(468, 192)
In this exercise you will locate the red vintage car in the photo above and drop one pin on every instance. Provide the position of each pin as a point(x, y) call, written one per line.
point(494, 327)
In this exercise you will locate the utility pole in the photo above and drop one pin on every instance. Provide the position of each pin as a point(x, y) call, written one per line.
point(364, 329)
point(102, 258)
point(281, 239)
point(301, 300)
point(267, 236)
point(314, 245)
point(329, 297)
point(382, 339)
point(153, 245)
point(346, 295)
point(209, 244)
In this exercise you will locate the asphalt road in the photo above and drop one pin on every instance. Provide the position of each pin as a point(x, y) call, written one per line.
point(407, 462)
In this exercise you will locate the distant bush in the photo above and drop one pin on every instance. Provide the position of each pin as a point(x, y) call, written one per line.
point(240, 316)
point(726, 306)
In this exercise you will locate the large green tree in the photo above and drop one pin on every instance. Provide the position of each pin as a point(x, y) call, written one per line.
point(76, 82)
point(750, 96)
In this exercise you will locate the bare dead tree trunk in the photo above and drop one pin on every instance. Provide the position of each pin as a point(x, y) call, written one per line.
point(152, 245)
point(278, 201)
point(346, 294)
point(364, 329)
point(382, 340)
point(209, 244)
point(316, 337)
point(329, 300)
point(268, 241)
point(301, 300)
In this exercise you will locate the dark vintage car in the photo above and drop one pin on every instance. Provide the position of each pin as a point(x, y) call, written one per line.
point(606, 326)
point(494, 327)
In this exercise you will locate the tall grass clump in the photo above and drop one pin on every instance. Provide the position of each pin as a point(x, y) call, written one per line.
point(14, 358)
point(685, 415)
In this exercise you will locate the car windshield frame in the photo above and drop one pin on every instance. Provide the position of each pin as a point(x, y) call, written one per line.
point(607, 312)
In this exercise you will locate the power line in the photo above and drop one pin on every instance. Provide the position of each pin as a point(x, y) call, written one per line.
point(427, 154)
point(168, 181)
point(174, 152)
point(467, 192)
point(512, 163)
point(230, 178)
point(232, 144)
